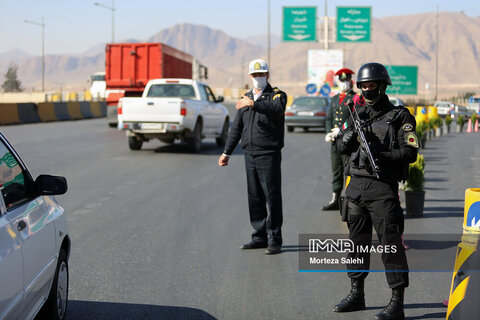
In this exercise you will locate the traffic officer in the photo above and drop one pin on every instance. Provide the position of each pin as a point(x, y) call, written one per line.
point(336, 116)
point(372, 195)
point(260, 124)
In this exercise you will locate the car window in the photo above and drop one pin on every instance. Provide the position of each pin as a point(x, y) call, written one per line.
point(171, 91)
point(311, 102)
point(203, 93)
point(443, 104)
point(206, 93)
point(210, 95)
point(12, 179)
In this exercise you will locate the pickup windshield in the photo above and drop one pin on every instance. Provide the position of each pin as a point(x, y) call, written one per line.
point(172, 91)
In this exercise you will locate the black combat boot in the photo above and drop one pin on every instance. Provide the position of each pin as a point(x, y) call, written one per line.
point(332, 205)
point(355, 300)
point(394, 309)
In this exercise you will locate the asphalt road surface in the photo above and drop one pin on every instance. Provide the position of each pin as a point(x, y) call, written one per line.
point(156, 232)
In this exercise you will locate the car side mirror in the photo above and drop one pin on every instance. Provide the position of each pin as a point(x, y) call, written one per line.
point(51, 185)
point(219, 99)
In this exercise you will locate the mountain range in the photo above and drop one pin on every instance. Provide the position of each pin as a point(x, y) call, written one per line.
point(396, 40)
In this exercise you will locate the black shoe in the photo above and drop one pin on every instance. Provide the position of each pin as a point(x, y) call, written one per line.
point(273, 250)
point(331, 206)
point(394, 309)
point(253, 245)
point(355, 300)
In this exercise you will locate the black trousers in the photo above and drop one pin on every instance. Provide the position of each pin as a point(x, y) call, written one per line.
point(338, 166)
point(264, 182)
point(386, 216)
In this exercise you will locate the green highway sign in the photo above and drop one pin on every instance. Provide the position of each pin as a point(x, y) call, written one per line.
point(353, 24)
point(299, 23)
point(404, 79)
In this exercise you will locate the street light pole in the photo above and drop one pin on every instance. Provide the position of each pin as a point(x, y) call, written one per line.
point(42, 24)
point(325, 32)
point(112, 8)
point(436, 56)
point(268, 32)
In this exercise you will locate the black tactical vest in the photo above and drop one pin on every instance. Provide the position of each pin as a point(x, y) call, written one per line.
point(380, 133)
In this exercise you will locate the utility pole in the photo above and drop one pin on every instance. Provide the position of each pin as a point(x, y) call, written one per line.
point(42, 24)
point(325, 29)
point(268, 34)
point(436, 56)
point(112, 8)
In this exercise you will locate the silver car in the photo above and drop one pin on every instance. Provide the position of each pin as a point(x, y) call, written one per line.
point(307, 112)
point(34, 242)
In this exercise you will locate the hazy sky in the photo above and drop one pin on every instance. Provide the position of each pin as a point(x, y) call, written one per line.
point(74, 26)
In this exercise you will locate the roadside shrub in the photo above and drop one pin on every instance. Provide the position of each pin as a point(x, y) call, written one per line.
point(416, 172)
point(448, 121)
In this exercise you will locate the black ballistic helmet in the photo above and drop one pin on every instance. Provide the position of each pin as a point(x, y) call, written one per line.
point(372, 71)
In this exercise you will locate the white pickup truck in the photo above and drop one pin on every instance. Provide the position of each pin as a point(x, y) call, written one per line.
point(171, 109)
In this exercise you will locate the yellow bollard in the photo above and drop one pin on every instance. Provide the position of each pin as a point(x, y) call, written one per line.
point(432, 112)
point(421, 115)
point(87, 96)
point(289, 100)
point(468, 246)
point(56, 97)
point(72, 96)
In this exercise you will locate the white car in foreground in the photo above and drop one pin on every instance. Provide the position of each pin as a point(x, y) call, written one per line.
point(34, 242)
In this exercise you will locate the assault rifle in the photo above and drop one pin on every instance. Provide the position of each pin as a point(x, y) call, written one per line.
point(357, 124)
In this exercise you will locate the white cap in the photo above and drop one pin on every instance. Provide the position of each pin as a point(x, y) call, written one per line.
point(257, 66)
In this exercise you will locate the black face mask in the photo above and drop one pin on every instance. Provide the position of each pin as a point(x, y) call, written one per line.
point(371, 95)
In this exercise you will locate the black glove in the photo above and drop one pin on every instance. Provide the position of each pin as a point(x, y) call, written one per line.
point(384, 157)
point(348, 137)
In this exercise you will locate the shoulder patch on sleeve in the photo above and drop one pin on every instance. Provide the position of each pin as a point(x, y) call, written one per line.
point(276, 96)
point(407, 127)
point(276, 89)
point(411, 139)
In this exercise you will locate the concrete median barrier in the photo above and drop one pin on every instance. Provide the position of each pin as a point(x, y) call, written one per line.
point(9, 113)
point(61, 111)
point(13, 113)
point(46, 112)
point(28, 112)
point(86, 109)
point(74, 110)
point(99, 109)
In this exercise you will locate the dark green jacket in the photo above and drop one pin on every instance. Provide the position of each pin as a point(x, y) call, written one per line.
point(338, 114)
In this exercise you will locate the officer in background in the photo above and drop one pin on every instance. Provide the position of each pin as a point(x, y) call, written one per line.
point(260, 124)
point(336, 116)
point(371, 200)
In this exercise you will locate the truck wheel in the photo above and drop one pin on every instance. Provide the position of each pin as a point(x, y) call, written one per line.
point(112, 124)
point(195, 142)
point(56, 305)
point(290, 128)
point(134, 143)
point(222, 140)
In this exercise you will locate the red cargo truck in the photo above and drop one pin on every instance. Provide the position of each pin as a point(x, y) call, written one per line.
point(129, 67)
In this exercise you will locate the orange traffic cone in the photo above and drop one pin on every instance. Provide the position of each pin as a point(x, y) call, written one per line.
point(469, 126)
point(476, 125)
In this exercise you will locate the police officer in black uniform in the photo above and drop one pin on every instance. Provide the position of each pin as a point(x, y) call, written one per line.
point(260, 124)
point(371, 200)
point(336, 117)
